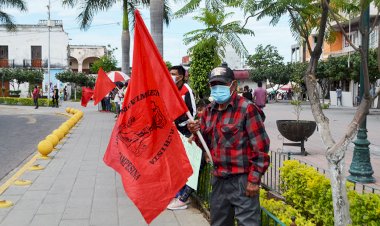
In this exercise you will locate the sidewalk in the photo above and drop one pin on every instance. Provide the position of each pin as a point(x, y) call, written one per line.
point(77, 188)
point(339, 119)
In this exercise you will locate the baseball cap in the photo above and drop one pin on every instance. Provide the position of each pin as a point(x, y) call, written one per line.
point(221, 74)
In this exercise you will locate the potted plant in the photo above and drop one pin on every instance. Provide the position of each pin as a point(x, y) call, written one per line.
point(297, 130)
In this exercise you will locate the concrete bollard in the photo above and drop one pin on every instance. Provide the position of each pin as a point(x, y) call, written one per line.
point(59, 134)
point(45, 147)
point(68, 110)
point(65, 128)
point(53, 139)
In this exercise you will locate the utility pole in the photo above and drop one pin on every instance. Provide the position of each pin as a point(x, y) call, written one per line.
point(49, 26)
point(361, 169)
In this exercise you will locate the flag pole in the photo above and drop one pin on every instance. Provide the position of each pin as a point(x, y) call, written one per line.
point(201, 138)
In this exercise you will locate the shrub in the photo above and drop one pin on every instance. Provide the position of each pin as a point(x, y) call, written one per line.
point(325, 106)
point(310, 193)
point(282, 211)
point(23, 101)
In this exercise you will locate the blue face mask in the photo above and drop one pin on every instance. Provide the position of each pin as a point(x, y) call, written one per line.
point(220, 93)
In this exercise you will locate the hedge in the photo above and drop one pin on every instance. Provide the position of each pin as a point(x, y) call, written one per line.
point(23, 101)
point(309, 192)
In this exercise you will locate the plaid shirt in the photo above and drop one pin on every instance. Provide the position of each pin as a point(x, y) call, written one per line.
point(236, 138)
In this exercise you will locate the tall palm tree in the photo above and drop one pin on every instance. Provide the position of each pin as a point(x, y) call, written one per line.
point(7, 19)
point(91, 7)
point(223, 33)
point(159, 11)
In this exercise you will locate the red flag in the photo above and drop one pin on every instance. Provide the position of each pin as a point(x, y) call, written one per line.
point(145, 147)
point(118, 77)
point(103, 86)
point(86, 95)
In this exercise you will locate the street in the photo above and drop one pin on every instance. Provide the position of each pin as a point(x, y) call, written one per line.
point(21, 128)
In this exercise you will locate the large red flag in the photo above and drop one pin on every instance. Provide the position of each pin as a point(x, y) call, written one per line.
point(145, 147)
point(86, 95)
point(103, 86)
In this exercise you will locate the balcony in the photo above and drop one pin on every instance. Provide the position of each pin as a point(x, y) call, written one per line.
point(6, 63)
point(34, 63)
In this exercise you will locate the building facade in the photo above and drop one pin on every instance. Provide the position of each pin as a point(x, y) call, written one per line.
point(82, 56)
point(28, 47)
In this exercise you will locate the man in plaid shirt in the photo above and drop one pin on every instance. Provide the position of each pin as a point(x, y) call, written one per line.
point(235, 134)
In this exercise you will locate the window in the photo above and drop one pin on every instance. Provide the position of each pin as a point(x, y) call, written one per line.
point(353, 36)
point(373, 38)
point(3, 52)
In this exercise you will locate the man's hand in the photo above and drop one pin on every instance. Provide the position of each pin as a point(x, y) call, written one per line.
point(252, 189)
point(193, 126)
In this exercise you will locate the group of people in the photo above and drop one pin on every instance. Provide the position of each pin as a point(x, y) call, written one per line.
point(259, 95)
point(116, 96)
point(55, 95)
point(234, 131)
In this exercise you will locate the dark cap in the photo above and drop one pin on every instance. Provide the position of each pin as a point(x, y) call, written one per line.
point(221, 74)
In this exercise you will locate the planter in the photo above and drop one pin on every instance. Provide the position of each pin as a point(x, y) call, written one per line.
point(296, 131)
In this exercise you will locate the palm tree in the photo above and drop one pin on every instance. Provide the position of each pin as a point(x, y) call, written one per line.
point(159, 11)
point(193, 5)
point(7, 19)
point(223, 33)
point(91, 7)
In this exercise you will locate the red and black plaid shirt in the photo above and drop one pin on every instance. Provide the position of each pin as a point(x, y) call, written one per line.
point(236, 138)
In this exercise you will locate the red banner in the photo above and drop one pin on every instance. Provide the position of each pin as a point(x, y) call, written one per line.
point(103, 86)
point(86, 95)
point(145, 147)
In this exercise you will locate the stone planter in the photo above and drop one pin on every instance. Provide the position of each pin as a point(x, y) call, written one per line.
point(296, 131)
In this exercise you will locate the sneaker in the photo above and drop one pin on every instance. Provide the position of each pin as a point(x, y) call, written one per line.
point(177, 205)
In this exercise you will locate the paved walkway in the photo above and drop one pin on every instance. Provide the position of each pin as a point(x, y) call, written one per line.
point(339, 118)
point(77, 188)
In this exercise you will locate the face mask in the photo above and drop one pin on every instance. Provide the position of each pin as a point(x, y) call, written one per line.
point(221, 94)
point(174, 79)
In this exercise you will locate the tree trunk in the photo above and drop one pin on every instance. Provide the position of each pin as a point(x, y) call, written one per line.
point(338, 185)
point(125, 40)
point(156, 24)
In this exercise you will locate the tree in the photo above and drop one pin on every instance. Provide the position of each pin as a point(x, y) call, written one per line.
point(306, 16)
point(108, 62)
point(91, 7)
point(168, 64)
point(8, 19)
point(204, 57)
point(223, 33)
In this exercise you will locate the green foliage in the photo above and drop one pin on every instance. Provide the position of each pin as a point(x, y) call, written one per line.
point(325, 106)
point(168, 64)
point(108, 63)
point(24, 101)
point(266, 63)
point(204, 58)
point(282, 211)
point(22, 76)
point(80, 79)
point(310, 193)
point(217, 28)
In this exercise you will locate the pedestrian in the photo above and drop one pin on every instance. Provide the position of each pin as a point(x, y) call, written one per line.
point(65, 93)
point(119, 96)
point(247, 94)
point(35, 94)
point(181, 201)
point(234, 131)
point(260, 95)
point(55, 96)
point(338, 96)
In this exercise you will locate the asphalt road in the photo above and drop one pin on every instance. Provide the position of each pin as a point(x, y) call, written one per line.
point(21, 129)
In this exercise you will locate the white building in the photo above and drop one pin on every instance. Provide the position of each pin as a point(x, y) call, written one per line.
point(82, 56)
point(28, 47)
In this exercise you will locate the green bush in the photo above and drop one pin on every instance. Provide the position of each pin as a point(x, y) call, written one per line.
point(23, 101)
point(325, 106)
point(282, 211)
point(310, 193)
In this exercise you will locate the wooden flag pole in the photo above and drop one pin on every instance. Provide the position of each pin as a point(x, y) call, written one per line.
point(201, 138)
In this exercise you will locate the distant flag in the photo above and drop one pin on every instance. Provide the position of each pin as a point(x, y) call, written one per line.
point(145, 147)
point(86, 95)
point(103, 86)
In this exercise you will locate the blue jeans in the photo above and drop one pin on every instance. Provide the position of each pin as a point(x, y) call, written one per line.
point(184, 193)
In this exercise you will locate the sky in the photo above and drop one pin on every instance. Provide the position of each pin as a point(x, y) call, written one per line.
point(106, 29)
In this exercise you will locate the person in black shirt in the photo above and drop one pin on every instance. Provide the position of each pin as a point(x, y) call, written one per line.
point(247, 93)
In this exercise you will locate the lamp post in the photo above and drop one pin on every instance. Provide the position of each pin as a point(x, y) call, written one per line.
point(361, 170)
point(49, 26)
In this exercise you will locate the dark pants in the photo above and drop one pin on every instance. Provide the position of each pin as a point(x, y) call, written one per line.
point(185, 193)
point(35, 100)
point(228, 199)
point(339, 100)
point(55, 102)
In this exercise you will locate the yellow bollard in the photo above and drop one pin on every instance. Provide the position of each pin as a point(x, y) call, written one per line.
point(68, 110)
point(69, 123)
point(59, 134)
point(5, 204)
point(53, 139)
point(45, 147)
point(22, 182)
point(75, 111)
point(65, 128)
point(72, 111)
